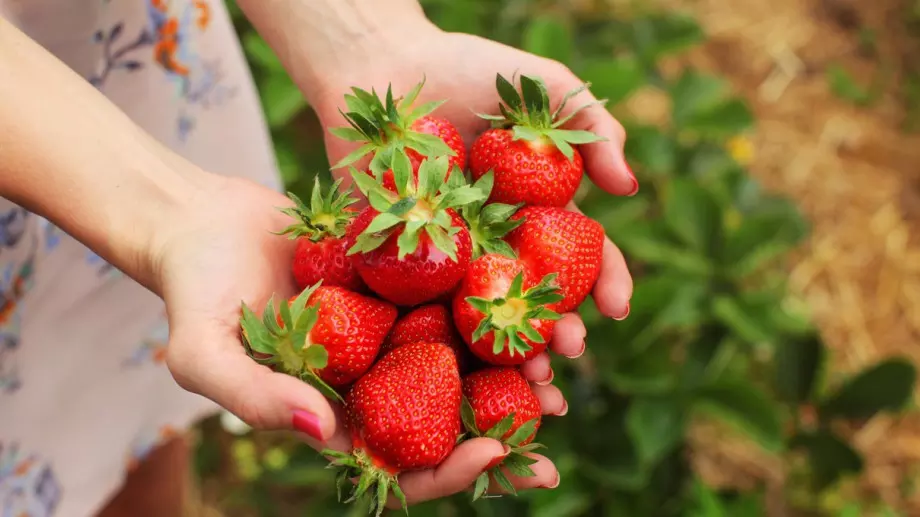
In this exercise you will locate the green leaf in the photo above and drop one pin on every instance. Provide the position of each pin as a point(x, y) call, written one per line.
point(845, 86)
point(797, 363)
point(550, 37)
point(482, 484)
point(535, 96)
point(656, 427)
point(743, 320)
point(654, 248)
point(460, 197)
point(523, 432)
point(614, 79)
point(442, 241)
point(694, 93)
point(659, 34)
point(382, 222)
point(653, 150)
point(887, 386)
point(746, 406)
point(830, 457)
point(573, 136)
point(259, 52)
point(648, 373)
point(469, 417)
point(693, 215)
point(508, 93)
point(402, 171)
point(762, 236)
point(723, 120)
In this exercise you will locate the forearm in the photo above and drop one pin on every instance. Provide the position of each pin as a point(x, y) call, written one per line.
point(317, 39)
point(69, 155)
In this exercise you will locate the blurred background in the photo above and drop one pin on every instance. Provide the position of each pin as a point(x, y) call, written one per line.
point(768, 365)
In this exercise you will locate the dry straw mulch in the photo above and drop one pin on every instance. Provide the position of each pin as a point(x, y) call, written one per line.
point(855, 173)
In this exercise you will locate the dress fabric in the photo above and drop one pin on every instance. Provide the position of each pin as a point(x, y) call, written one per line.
point(84, 392)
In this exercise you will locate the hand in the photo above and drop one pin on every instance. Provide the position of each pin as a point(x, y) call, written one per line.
point(462, 69)
point(224, 252)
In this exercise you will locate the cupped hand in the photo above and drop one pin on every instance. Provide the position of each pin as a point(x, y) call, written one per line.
point(222, 252)
point(462, 69)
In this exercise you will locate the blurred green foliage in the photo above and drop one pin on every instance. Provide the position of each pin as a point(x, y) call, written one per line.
point(712, 332)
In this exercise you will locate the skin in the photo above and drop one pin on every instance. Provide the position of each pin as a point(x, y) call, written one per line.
point(202, 242)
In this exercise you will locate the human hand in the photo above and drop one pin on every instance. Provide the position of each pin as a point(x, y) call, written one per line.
point(462, 69)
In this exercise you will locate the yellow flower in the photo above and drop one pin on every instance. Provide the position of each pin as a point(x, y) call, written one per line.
point(741, 149)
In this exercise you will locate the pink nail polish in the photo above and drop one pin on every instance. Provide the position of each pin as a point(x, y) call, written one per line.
point(625, 314)
point(581, 352)
point(548, 380)
point(307, 423)
point(554, 484)
point(632, 176)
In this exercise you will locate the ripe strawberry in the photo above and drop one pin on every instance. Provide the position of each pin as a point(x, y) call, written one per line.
point(500, 310)
point(385, 127)
point(555, 240)
point(533, 160)
point(430, 324)
point(498, 403)
point(411, 247)
point(327, 336)
point(320, 251)
point(404, 414)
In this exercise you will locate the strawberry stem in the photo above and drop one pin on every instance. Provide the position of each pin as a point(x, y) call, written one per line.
point(509, 317)
point(286, 345)
point(489, 223)
point(416, 207)
point(529, 117)
point(373, 481)
point(326, 216)
point(385, 127)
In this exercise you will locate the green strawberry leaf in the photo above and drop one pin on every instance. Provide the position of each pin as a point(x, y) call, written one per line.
point(482, 484)
point(523, 432)
point(502, 427)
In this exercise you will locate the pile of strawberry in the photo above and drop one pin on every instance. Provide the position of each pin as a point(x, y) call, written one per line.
point(416, 311)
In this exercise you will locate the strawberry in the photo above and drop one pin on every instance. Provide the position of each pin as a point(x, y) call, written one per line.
point(404, 414)
point(327, 336)
point(320, 250)
point(431, 324)
point(556, 240)
point(533, 159)
point(386, 127)
point(501, 310)
point(498, 403)
point(411, 247)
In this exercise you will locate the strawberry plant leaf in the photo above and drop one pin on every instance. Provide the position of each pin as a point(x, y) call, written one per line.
point(354, 156)
point(407, 242)
point(403, 206)
point(383, 221)
point(460, 197)
point(798, 362)
point(525, 133)
point(402, 171)
point(410, 97)
point(503, 426)
point(517, 465)
point(613, 78)
point(508, 93)
point(400, 496)
point(693, 215)
point(316, 356)
point(482, 484)
point(562, 145)
point(426, 109)
point(886, 386)
point(550, 37)
point(442, 241)
point(381, 495)
point(469, 417)
point(536, 100)
point(830, 457)
point(749, 408)
point(503, 481)
point(656, 426)
point(348, 134)
point(321, 386)
point(523, 432)
point(573, 136)
point(735, 314)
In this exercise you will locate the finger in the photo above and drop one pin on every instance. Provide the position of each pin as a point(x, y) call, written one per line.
point(538, 369)
point(604, 161)
point(569, 336)
point(209, 360)
point(552, 402)
point(455, 474)
point(545, 476)
point(614, 284)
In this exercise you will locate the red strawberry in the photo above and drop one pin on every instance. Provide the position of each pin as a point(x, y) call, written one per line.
point(533, 159)
point(498, 403)
point(411, 247)
point(555, 240)
point(327, 336)
point(500, 310)
point(320, 251)
point(404, 414)
point(385, 127)
point(430, 324)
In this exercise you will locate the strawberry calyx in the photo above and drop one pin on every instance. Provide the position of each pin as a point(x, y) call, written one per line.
point(415, 207)
point(373, 480)
point(385, 127)
point(516, 462)
point(509, 317)
point(489, 223)
point(326, 216)
point(529, 116)
point(286, 344)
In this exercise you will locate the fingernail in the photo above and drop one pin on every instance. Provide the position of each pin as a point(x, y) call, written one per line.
point(307, 423)
point(548, 380)
point(625, 314)
point(496, 461)
point(565, 409)
point(635, 187)
point(581, 351)
point(554, 484)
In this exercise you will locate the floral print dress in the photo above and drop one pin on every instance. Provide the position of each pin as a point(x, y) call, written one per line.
point(84, 393)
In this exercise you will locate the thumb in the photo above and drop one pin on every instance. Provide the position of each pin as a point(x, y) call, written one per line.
point(212, 363)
